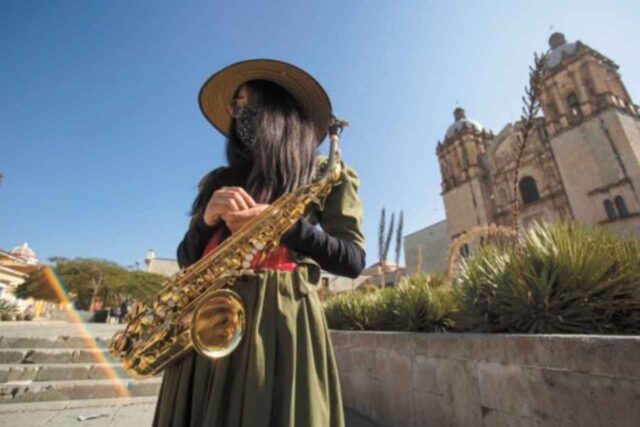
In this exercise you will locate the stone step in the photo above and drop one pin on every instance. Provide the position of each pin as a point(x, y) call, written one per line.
point(88, 405)
point(60, 371)
point(74, 341)
point(54, 355)
point(123, 412)
point(34, 391)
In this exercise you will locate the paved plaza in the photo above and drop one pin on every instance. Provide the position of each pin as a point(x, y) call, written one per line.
point(50, 376)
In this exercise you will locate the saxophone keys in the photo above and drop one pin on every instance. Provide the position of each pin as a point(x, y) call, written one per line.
point(147, 320)
point(161, 312)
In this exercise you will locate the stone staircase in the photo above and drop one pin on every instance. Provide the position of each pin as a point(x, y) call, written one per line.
point(42, 369)
point(59, 374)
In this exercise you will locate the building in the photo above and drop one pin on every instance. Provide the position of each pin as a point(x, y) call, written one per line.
point(582, 163)
point(335, 283)
point(426, 249)
point(164, 266)
point(381, 275)
point(15, 266)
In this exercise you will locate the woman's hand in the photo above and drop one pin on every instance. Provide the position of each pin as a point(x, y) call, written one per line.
point(226, 200)
point(236, 219)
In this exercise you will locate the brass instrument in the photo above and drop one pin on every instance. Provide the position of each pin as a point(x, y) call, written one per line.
point(196, 307)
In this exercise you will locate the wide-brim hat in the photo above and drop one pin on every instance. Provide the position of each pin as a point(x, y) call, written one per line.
point(217, 92)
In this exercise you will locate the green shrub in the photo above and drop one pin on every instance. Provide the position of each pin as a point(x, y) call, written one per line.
point(419, 303)
point(564, 279)
point(350, 311)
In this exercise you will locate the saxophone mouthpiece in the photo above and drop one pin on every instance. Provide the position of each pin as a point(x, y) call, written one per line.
point(336, 125)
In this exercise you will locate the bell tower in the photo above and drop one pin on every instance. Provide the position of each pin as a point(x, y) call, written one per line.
point(594, 131)
point(465, 175)
point(580, 82)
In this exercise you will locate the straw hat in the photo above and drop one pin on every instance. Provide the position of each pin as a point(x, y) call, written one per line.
point(217, 92)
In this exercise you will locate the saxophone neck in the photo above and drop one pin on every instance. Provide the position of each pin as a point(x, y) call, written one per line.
point(336, 126)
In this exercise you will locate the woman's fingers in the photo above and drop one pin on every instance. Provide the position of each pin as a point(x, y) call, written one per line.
point(229, 198)
point(221, 206)
point(241, 199)
point(244, 195)
point(244, 215)
point(235, 220)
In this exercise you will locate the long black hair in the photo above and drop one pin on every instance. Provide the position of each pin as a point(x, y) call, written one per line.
point(281, 158)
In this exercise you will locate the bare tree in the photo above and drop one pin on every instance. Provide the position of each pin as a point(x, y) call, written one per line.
point(399, 238)
point(530, 110)
point(381, 227)
point(387, 242)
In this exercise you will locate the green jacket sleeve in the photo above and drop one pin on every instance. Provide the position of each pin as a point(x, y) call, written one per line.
point(341, 215)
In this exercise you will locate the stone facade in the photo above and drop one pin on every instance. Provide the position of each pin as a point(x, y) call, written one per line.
point(584, 152)
point(582, 162)
point(423, 249)
point(164, 266)
point(15, 267)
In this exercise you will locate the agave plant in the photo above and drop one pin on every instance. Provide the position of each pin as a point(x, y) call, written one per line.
point(350, 311)
point(8, 310)
point(420, 303)
point(565, 278)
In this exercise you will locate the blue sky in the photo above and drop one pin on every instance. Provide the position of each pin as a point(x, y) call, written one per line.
point(102, 142)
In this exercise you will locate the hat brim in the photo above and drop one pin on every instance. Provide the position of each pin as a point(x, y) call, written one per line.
point(217, 92)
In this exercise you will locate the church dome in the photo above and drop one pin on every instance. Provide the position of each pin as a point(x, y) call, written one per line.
point(559, 49)
point(461, 124)
point(25, 253)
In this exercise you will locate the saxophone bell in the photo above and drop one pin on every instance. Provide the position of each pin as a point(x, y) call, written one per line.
point(218, 324)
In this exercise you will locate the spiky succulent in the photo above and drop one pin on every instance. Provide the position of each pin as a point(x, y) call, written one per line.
point(419, 304)
point(565, 278)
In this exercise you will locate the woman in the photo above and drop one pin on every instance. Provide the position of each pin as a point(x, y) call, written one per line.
point(283, 373)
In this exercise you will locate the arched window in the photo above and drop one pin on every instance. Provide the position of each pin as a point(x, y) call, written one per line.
point(611, 212)
point(574, 104)
point(464, 250)
point(621, 206)
point(528, 190)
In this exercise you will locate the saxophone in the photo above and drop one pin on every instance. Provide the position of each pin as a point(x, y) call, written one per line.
point(196, 308)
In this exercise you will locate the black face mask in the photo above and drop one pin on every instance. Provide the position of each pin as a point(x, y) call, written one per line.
point(246, 125)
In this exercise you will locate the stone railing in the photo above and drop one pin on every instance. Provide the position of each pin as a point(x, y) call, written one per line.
point(409, 379)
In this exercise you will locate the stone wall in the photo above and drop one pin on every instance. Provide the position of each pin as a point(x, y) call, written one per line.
point(408, 379)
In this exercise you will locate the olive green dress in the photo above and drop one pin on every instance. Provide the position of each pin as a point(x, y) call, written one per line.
point(284, 372)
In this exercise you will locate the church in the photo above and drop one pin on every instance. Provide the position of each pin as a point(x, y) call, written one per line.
point(582, 163)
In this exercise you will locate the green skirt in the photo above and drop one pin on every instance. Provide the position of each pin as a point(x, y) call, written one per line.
point(283, 373)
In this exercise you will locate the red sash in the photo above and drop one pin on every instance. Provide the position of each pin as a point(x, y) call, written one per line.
point(277, 259)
